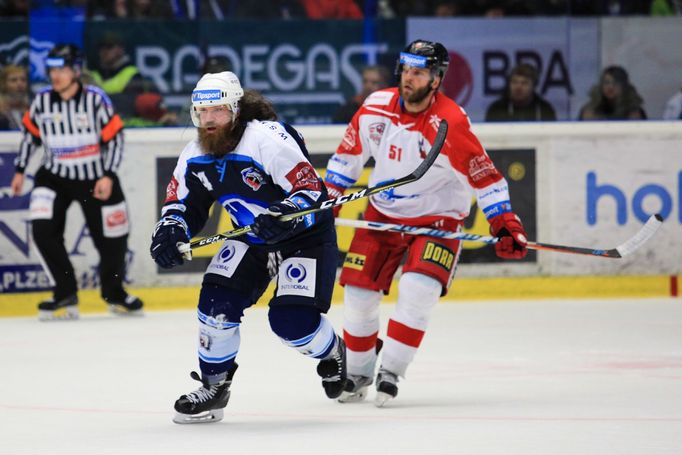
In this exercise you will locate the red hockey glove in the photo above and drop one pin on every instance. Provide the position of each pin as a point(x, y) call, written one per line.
point(513, 238)
point(334, 191)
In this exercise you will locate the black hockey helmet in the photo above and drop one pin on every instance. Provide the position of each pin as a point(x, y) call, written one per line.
point(424, 54)
point(63, 55)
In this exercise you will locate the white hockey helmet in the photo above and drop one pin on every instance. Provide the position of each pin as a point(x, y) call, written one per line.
point(216, 89)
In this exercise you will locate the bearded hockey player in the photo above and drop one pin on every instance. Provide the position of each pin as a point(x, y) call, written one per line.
point(257, 169)
point(396, 126)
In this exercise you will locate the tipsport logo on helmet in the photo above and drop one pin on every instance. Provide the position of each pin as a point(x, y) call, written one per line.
point(55, 62)
point(417, 61)
point(199, 96)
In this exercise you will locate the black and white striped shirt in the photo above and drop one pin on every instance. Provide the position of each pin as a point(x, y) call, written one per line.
point(82, 137)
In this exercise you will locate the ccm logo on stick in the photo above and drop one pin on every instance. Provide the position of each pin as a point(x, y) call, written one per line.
point(343, 199)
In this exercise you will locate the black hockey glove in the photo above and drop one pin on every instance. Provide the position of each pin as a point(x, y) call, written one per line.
point(167, 233)
point(271, 229)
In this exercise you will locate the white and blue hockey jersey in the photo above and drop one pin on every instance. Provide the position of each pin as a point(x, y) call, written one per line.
point(268, 165)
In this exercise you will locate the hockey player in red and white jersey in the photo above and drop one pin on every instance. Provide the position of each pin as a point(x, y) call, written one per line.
point(396, 127)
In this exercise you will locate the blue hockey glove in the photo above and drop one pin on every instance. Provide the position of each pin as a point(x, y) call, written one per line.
point(168, 232)
point(269, 228)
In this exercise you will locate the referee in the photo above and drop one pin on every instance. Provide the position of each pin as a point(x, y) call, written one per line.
point(83, 142)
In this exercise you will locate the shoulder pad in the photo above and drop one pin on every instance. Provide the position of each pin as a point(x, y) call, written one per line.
point(380, 98)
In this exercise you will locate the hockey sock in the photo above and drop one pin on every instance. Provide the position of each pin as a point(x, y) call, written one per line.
point(304, 329)
point(417, 294)
point(220, 311)
point(361, 329)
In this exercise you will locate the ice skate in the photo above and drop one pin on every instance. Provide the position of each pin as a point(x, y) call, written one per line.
point(131, 305)
point(63, 309)
point(387, 387)
point(332, 370)
point(356, 389)
point(204, 405)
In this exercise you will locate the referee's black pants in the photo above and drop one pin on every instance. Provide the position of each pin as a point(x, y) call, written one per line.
point(48, 232)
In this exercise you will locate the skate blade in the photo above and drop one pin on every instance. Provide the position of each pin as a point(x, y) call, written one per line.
point(353, 397)
point(381, 399)
point(120, 311)
point(214, 415)
point(62, 314)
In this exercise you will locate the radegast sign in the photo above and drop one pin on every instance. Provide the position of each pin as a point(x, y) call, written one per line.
point(308, 69)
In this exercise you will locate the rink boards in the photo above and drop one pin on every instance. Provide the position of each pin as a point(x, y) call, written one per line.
point(582, 184)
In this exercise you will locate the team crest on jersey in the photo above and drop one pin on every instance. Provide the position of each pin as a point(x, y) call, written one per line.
point(439, 255)
point(172, 190)
point(253, 178)
point(376, 131)
point(304, 176)
point(480, 167)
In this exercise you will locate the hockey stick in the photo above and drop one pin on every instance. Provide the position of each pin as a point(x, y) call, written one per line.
point(438, 142)
point(630, 245)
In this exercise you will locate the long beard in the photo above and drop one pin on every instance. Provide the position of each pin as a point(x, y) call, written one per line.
point(215, 143)
point(417, 96)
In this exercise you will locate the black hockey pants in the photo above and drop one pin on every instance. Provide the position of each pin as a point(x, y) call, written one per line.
point(48, 231)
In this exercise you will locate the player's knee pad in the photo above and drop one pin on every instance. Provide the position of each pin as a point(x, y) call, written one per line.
point(215, 300)
point(360, 305)
point(303, 328)
point(291, 322)
point(417, 294)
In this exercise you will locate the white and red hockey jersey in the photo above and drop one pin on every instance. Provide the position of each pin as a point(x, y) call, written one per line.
point(399, 141)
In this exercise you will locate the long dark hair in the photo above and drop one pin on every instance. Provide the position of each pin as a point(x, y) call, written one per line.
point(252, 106)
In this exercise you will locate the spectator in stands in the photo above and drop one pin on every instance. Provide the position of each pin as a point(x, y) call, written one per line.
point(520, 102)
point(118, 76)
point(332, 9)
point(374, 78)
point(150, 110)
point(614, 98)
point(673, 108)
point(447, 8)
point(14, 99)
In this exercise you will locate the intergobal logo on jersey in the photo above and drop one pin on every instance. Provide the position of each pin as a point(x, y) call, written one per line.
point(227, 253)
point(376, 131)
point(253, 178)
point(296, 273)
point(297, 277)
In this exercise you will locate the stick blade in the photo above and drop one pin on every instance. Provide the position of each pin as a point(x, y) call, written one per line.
point(648, 230)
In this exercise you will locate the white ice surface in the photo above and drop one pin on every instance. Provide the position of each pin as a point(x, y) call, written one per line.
point(545, 377)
